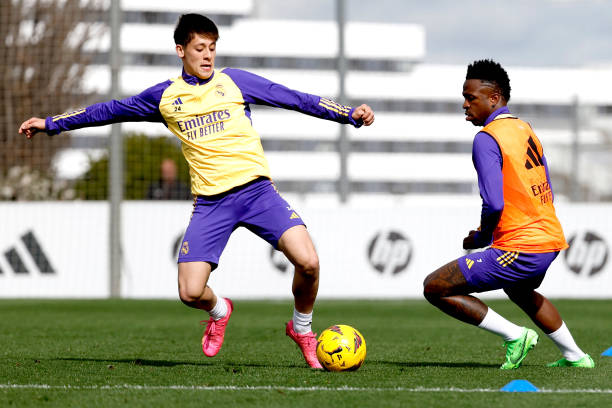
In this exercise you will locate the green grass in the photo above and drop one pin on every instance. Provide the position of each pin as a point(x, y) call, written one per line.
point(89, 344)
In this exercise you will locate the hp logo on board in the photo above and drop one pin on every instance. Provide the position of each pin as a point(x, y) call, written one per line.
point(389, 252)
point(176, 246)
point(587, 254)
point(279, 260)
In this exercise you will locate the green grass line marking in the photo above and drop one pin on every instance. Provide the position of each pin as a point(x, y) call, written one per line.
point(282, 388)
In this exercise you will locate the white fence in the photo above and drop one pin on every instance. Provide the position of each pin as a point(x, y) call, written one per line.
point(58, 250)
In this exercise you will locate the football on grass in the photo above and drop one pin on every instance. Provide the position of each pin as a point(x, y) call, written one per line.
point(341, 348)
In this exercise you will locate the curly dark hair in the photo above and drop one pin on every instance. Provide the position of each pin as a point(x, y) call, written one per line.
point(490, 71)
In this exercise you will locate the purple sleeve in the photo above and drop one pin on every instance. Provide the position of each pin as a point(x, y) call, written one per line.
point(138, 108)
point(548, 176)
point(259, 90)
point(488, 163)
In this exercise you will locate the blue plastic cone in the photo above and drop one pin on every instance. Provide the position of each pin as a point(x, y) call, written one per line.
point(608, 352)
point(519, 386)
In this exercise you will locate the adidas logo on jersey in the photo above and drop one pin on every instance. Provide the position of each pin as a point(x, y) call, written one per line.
point(534, 159)
point(177, 104)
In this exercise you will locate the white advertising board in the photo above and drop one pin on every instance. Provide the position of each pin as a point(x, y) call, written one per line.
point(54, 249)
point(60, 249)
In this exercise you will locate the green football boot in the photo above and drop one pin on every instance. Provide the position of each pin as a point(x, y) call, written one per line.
point(584, 362)
point(516, 350)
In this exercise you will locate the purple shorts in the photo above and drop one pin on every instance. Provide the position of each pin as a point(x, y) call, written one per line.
point(256, 205)
point(497, 269)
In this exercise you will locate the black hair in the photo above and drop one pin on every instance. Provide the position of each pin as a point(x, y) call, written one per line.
point(190, 24)
point(490, 71)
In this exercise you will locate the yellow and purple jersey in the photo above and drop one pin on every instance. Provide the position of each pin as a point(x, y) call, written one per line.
point(212, 118)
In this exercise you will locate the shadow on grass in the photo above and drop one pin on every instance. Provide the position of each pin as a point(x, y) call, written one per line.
point(466, 364)
point(168, 363)
point(136, 361)
point(234, 364)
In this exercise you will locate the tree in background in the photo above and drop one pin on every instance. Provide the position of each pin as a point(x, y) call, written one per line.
point(143, 156)
point(42, 62)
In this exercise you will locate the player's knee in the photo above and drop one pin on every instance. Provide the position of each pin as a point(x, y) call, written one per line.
point(190, 294)
point(308, 266)
point(187, 299)
point(432, 296)
point(431, 291)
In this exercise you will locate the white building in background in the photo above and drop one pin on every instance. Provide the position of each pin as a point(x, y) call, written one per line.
point(420, 142)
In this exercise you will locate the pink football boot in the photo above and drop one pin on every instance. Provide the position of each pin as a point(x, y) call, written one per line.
point(215, 332)
point(307, 343)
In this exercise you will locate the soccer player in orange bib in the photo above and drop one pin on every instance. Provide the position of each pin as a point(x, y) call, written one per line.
point(517, 221)
point(209, 111)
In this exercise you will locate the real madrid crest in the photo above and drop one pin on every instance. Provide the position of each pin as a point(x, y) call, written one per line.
point(219, 91)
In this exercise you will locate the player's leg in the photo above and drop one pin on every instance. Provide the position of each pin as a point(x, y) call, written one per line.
point(192, 284)
point(299, 249)
point(194, 292)
point(546, 316)
point(297, 246)
point(209, 229)
point(543, 313)
point(448, 289)
point(268, 215)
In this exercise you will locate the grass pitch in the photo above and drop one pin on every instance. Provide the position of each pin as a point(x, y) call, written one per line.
point(147, 353)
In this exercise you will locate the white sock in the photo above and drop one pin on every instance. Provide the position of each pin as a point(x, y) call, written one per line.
point(564, 340)
point(220, 309)
point(302, 322)
point(495, 323)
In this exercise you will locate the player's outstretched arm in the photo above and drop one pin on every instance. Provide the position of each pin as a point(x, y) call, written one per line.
point(137, 108)
point(365, 113)
point(32, 126)
point(258, 90)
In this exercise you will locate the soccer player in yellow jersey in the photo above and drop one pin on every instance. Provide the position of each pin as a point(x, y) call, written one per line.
point(209, 111)
point(517, 220)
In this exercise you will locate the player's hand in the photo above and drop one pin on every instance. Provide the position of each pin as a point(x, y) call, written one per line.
point(365, 113)
point(32, 126)
point(471, 241)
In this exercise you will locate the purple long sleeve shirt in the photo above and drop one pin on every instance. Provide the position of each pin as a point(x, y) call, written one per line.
point(254, 89)
point(211, 117)
point(488, 162)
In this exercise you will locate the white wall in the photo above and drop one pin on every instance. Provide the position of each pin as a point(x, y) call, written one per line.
point(414, 238)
